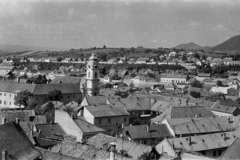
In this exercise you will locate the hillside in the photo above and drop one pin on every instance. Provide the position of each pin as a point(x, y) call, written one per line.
point(232, 44)
point(189, 46)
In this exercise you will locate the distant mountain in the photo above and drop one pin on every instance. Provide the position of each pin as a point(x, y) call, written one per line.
point(18, 48)
point(232, 44)
point(189, 46)
point(206, 48)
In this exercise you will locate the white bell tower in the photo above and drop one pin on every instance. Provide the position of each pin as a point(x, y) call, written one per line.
point(92, 76)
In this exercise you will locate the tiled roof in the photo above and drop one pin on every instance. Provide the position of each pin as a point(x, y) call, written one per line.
point(66, 79)
point(141, 132)
point(232, 153)
point(38, 89)
point(200, 125)
point(133, 149)
point(48, 155)
point(166, 75)
point(184, 112)
point(96, 100)
point(85, 152)
point(87, 127)
point(130, 104)
point(15, 141)
point(205, 142)
point(226, 106)
point(106, 111)
point(203, 75)
point(11, 115)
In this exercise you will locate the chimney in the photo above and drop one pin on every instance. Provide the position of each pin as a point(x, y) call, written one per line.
point(112, 150)
point(224, 136)
point(4, 154)
point(196, 116)
point(230, 120)
point(4, 120)
point(189, 140)
point(148, 128)
point(17, 121)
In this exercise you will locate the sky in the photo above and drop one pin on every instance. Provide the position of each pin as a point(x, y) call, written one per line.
point(117, 23)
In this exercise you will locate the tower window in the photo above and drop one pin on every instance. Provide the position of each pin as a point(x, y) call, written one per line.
point(88, 74)
point(95, 74)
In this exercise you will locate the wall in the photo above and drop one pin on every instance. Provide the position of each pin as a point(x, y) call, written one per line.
point(113, 125)
point(88, 116)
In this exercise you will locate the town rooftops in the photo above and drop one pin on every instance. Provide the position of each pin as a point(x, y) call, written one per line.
point(204, 142)
point(96, 100)
point(87, 127)
point(14, 140)
point(85, 152)
point(184, 112)
point(232, 153)
point(38, 89)
point(133, 149)
point(106, 111)
point(204, 75)
point(167, 75)
point(148, 131)
point(66, 79)
point(200, 125)
point(131, 104)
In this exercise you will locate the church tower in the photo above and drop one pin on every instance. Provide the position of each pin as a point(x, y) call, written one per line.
point(92, 76)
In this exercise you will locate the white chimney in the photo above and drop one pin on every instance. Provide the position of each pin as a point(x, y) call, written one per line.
point(148, 128)
point(189, 141)
point(112, 150)
point(4, 120)
point(4, 154)
point(17, 121)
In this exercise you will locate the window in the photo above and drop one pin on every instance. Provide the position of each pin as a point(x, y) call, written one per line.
point(88, 74)
point(0, 102)
point(73, 96)
point(125, 119)
point(9, 95)
point(0, 94)
point(95, 74)
point(99, 121)
point(68, 96)
point(4, 102)
point(214, 153)
point(4, 94)
point(219, 152)
point(109, 120)
point(9, 103)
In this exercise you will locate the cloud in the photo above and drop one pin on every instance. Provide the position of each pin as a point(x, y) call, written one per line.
point(154, 41)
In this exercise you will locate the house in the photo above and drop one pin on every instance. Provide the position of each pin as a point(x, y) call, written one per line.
point(131, 148)
point(184, 127)
point(203, 76)
point(232, 153)
point(86, 152)
point(14, 143)
point(146, 134)
point(88, 129)
point(174, 112)
point(142, 60)
point(66, 79)
point(8, 90)
point(21, 115)
point(210, 145)
point(173, 78)
point(113, 61)
point(106, 116)
point(233, 92)
point(226, 107)
point(217, 89)
point(48, 135)
point(94, 100)
point(67, 60)
point(68, 125)
point(139, 108)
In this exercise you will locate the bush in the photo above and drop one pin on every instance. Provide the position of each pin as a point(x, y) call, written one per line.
point(195, 94)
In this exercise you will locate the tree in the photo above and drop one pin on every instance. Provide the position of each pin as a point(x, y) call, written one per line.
point(59, 59)
point(55, 95)
point(23, 98)
point(70, 111)
point(104, 47)
point(184, 58)
point(196, 55)
point(196, 84)
point(204, 57)
point(215, 97)
point(195, 94)
point(219, 83)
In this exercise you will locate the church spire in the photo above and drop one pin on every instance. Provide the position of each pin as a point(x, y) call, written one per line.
point(92, 76)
